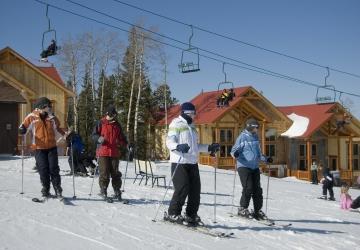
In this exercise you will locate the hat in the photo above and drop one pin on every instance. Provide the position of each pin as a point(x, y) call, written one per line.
point(42, 102)
point(111, 111)
point(251, 123)
point(187, 107)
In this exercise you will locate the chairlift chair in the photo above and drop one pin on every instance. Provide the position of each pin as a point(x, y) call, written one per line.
point(326, 99)
point(226, 81)
point(53, 37)
point(190, 66)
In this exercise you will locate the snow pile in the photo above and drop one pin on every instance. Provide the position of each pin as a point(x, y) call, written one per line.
point(299, 126)
point(91, 223)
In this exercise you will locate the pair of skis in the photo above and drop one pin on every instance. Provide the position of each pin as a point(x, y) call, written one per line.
point(111, 200)
point(266, 222)
point(62, 199)
point(200, 228)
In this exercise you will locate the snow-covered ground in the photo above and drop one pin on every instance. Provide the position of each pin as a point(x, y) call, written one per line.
point(93, 224)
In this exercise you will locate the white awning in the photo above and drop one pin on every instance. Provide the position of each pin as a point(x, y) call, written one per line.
point(299, 126)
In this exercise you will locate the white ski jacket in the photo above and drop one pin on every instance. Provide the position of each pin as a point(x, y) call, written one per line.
point(181, 132)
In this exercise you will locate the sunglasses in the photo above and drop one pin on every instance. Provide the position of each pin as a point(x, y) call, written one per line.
point(190, 112)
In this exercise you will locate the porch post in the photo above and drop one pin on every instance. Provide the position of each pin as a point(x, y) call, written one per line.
point(350, 158)
point(338, 154)
point(263, 137)
point(308, 157)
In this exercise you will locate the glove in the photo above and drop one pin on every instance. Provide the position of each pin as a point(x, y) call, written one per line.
point(269, 160)
point(183, 148)
point(213, 148)
point(236, 154)
point(22, 129)
point(130, 147)
point(101, 140)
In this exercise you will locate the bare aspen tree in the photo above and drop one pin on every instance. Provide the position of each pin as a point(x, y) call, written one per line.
point(109, 50)
point(135, 52)
point(139, 88)
point(70, 65)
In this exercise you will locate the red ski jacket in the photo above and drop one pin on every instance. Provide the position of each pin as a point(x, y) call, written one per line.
point(113, 138)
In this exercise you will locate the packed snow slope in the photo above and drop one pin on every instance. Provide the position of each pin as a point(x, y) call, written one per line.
point(90, 223)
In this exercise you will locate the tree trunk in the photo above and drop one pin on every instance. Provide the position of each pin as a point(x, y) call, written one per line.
point(139, 92)
point(131, 93)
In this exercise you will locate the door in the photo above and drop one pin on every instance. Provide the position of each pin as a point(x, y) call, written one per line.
point(333, 163)
point(8, 127)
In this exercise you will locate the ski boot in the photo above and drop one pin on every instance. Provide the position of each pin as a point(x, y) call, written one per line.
point(117, 195)
point(178, 219)
point(58, 192)
point(45, 192)
point(331, 199)
point(244, 212)
point(192, 220)
point(324, 197)
point(259, 215)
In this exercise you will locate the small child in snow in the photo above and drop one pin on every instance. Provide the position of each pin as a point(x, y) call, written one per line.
point(345, 199)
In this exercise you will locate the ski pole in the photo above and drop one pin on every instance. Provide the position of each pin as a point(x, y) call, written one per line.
point(92, 183)
point(126, 168)
point(267, 189)
point(233, 190)
point(215, 188)
point(22, 164)
point(73, 167)
point(162, 201)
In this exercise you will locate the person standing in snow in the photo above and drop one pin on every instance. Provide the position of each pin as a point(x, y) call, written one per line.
point(314, 177)
point(182, 142)
point(247, 153)
point(44, 124)
point(328, 184)
point(109, 136)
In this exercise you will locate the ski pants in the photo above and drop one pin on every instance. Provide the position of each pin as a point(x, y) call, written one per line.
point(78, 165)
point(109, 166)
point(328, 186)
point(356, 203)
point(186, 184)
point(314, 176)
point(48, 166)
point(250, 181)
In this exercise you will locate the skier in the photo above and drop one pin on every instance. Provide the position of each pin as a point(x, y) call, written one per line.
point(328, 183)
point(247, 153)
point(182, 141)
point(74, 140)
point(43, 123)
point(109, 136)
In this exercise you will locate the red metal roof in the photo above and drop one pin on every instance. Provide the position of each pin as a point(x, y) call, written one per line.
point(317, 114)
point(206, 107)
point(52, 73)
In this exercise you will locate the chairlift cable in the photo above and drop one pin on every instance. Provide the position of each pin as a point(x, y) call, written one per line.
point(263, 71)
point(237, 40)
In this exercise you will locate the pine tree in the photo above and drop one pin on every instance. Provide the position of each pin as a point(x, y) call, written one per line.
point(86, 112)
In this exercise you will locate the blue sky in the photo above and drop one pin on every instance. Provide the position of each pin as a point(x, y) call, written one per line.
point(324, 32)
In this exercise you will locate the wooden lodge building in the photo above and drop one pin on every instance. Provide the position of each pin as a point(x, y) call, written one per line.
point(294, 136)
point(21, 83)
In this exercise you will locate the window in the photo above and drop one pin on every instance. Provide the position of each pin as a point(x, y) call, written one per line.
point(302, 157)
point(355, 149)
point(226, 142)
point(313, 150)
point(270, 142)
point(356, 156)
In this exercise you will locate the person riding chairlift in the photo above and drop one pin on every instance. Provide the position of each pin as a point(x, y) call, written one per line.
point(50, 51)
